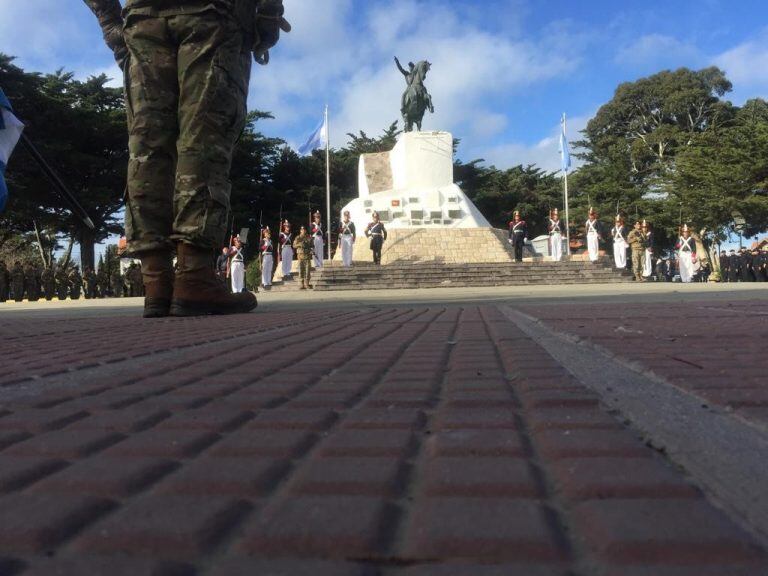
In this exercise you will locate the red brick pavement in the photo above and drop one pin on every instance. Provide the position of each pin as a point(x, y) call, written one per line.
point(714, 350)
point(427, 441)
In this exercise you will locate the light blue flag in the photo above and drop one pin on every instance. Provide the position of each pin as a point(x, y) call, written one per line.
point(319, 139)
point(10, 132)
point(565, 155)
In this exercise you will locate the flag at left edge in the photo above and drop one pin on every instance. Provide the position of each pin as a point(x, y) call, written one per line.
point(10, 132)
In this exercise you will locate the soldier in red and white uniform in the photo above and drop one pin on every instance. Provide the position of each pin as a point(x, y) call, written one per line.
point(316, 232)
point(556, 231)
point(592, 228)
point(286, 250)
point(620, 245)
point(686, 254)
point(267, 250)
point(518, 233)
point(347, 238)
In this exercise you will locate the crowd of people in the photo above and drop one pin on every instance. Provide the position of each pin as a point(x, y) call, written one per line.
point(34, 282)
point(744, 265)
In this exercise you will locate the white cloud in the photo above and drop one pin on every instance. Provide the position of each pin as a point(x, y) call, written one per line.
point(746, 65)
point(655, 50)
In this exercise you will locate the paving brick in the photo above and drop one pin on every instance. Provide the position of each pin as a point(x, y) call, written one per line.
point(369, 443)
point(39, 420)
point(474, 418)
point(663, 531)
point(386, 418)
point(8, 438)
point(126, 420)
point(18, 472)
point(438, 528)
point(266, 443)
point(571, 418)
point(287, 567)
point(589, 443)
point(105, 476)
point(241, 477)
point(327, 526)
point(700, 570)
point(164, 444)
point(32, 523)
point(165, 527)
point(351, 476)
point(480, 478)
point(112, 566)
point(573, 398)
point(294, 418)
point(601, 478)
point(215, 417)
point(476, 443)
point(65, 444)
point(459, 569)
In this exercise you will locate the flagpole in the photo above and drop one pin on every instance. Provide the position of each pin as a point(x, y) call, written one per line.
point(567, 218)
point(328, 182)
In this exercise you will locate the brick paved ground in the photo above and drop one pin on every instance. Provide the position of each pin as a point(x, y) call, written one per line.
point(408, 441)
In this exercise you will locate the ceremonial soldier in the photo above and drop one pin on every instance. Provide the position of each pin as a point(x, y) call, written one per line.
point(620, 245)
point(303, 245)
point(638, 241)
point(725, 265)
point(32, 282)
point(17, 281)
point(648, 260)
point(5, 282)
point(347, 239)
point(593, 231)
point(267, 250)
point(316, 231)
point(734, 272)
point(62, 283)
point(518, 233)
point(378, 234)
point(286, 250)
point(75, 283)
point(237, 265)
point(116, 282)
point(555, 235)
point(686, 254)
point(89, 277)
point(49, 282)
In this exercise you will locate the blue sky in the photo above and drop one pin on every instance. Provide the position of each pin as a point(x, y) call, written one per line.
point(503, 70)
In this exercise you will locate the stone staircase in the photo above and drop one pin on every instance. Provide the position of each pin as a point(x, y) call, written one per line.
point(460, 275)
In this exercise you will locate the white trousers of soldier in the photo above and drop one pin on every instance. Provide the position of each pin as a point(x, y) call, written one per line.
point(317, 259)
point(237, 276)
point(685, 260)
point(647, 263)
point(556, 246)
point(620, 253)
point(593, 246)
point(267, 262)
point(346, 249)
point(287, 256)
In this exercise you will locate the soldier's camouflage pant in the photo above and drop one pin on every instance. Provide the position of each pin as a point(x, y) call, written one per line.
point(186, 83)
point(305, 270)
point(638, 261)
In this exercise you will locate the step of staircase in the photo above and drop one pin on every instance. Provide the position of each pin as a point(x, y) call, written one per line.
point(435, 275)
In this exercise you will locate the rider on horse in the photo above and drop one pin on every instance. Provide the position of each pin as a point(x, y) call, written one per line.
point(415, 99)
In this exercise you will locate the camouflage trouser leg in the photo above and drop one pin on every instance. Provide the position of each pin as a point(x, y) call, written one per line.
point(638, 258)
point(186, 87)
point(305, 270)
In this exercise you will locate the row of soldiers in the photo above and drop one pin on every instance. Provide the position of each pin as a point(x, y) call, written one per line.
point(744, 265)
point(33, 283)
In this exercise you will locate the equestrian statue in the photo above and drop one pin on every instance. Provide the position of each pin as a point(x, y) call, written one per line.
point(415, 99)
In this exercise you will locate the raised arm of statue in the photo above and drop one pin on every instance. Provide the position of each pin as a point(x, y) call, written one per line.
point(399, 67)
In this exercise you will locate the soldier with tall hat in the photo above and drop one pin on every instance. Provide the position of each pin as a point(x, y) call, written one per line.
point(286, 250)
point(518, 233)
point(686, 254)
point(267, 250)
point(592, 228)
point(378, 234)
point(347, 238)
point(317, 234)
point(555, 235)
point(648, 260)
point(620, 244)
point(237, 265)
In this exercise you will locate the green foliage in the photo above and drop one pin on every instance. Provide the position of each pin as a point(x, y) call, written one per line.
point(253, 274)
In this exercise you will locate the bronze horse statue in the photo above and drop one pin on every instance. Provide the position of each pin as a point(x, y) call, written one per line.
point(416, 100)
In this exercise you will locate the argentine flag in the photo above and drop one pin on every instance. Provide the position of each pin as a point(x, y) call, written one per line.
point(319, 138)
point(565, 155)
point(10, 132)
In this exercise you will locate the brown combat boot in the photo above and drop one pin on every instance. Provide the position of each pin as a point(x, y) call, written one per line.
point(197, 291)
point(157, 274)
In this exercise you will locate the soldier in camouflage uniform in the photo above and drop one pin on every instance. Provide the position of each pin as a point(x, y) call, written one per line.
point(75, 283)
point(17, 282)
point(48, 281)
point(638, 241)
point(303, 245)
point(62, 283)
point(187, 66)
point(5, 282)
